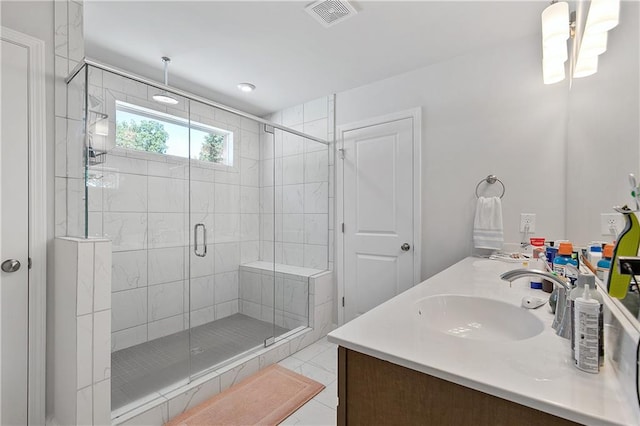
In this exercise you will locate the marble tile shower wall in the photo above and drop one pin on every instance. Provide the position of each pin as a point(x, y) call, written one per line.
point(141, 200)
point(300, 186)
point(69, 50)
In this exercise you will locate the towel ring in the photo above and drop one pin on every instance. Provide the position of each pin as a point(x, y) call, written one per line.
point(491, 179)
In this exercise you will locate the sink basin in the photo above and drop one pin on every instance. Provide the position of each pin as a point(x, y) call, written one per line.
point(477, 318)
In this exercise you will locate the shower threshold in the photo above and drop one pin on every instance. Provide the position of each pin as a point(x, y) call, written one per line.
point(141, 373)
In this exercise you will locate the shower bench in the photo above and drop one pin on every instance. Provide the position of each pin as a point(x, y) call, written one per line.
point(291, 289)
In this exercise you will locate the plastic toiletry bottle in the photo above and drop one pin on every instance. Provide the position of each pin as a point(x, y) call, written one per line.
point(576, 292)
point(586, 320)
point(627, 245)
point(535, 282)
point(595, 253)
point(536, 262)
point(563, 258)
point(551, 253)
point(595, 294)
point(604, 264)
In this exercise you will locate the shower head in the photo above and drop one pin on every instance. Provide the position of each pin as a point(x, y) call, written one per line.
point(94, 101)
point(164, 97)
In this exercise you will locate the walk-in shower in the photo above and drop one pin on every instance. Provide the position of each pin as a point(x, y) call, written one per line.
point(217, 220)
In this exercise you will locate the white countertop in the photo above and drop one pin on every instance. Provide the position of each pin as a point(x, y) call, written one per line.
point(537, 372)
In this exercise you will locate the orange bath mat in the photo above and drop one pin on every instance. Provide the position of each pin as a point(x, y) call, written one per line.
point(266, 398)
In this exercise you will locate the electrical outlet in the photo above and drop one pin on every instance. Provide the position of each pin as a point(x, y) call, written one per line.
point(611, 221)
point(528, 219)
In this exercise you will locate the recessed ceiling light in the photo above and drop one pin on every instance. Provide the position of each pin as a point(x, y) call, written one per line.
point(246, 87)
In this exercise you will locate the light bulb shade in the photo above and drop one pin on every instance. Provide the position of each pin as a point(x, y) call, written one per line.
point(593, 44)
point(603, 15)
point(555, 52)
point(555, 23)
point(165, 98)
point(552, 71)
point(586, 65)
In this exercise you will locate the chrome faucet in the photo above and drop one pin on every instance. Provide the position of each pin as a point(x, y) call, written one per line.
point(562, 320)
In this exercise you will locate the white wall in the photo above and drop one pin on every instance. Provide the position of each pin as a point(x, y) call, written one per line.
point(483, 113)
point(604, 131)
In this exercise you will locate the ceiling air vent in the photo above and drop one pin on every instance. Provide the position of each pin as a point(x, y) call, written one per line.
point(330, 12)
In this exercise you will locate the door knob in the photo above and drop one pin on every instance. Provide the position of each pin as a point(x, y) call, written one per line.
point(11, 265)
point(405, 247)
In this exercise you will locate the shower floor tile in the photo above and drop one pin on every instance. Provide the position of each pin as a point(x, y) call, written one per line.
point(146, 368)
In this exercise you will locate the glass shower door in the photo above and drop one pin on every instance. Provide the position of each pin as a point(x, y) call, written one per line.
point(231, 310)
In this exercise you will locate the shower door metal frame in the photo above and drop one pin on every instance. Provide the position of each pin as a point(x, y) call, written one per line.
point(87, 61)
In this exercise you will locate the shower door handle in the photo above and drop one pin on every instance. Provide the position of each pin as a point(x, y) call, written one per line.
point(195, 240)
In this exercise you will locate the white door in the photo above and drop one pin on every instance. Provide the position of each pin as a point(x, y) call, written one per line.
point(14, 233)
point(378, 216)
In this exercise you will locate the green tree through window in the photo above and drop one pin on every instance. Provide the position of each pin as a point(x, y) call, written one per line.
point(211, 149)
point(147, 136)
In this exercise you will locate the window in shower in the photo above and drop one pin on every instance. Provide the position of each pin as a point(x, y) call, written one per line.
point(145, 129)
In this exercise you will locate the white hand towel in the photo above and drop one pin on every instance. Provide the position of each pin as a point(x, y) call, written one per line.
point(487, 225)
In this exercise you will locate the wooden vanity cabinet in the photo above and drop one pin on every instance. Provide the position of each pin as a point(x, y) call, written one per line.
point(376, 392)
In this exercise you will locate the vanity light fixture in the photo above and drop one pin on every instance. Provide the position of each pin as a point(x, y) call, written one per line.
point(555, 33)
point(246, 87)
point(603, 15)
point(164, 97)
point(557, 27)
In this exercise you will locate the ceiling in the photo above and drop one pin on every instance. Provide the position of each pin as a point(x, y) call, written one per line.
point(291, 58)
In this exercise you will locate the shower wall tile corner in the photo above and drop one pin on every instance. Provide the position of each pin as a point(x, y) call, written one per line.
point(295, 198)
point(69, 49)
point(79, 383)
point(81, 335)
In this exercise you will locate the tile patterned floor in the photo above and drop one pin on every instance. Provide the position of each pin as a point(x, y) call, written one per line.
point(146, 368)
point(319, 362)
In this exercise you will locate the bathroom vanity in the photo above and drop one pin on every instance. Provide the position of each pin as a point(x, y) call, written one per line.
point(459, 349)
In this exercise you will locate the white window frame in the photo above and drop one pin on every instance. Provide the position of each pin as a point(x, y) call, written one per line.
point(228, 135)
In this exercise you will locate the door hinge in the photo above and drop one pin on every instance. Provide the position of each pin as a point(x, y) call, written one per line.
point(342, 227)
point(341, 153)
point(29, 263)
point(343, 302)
